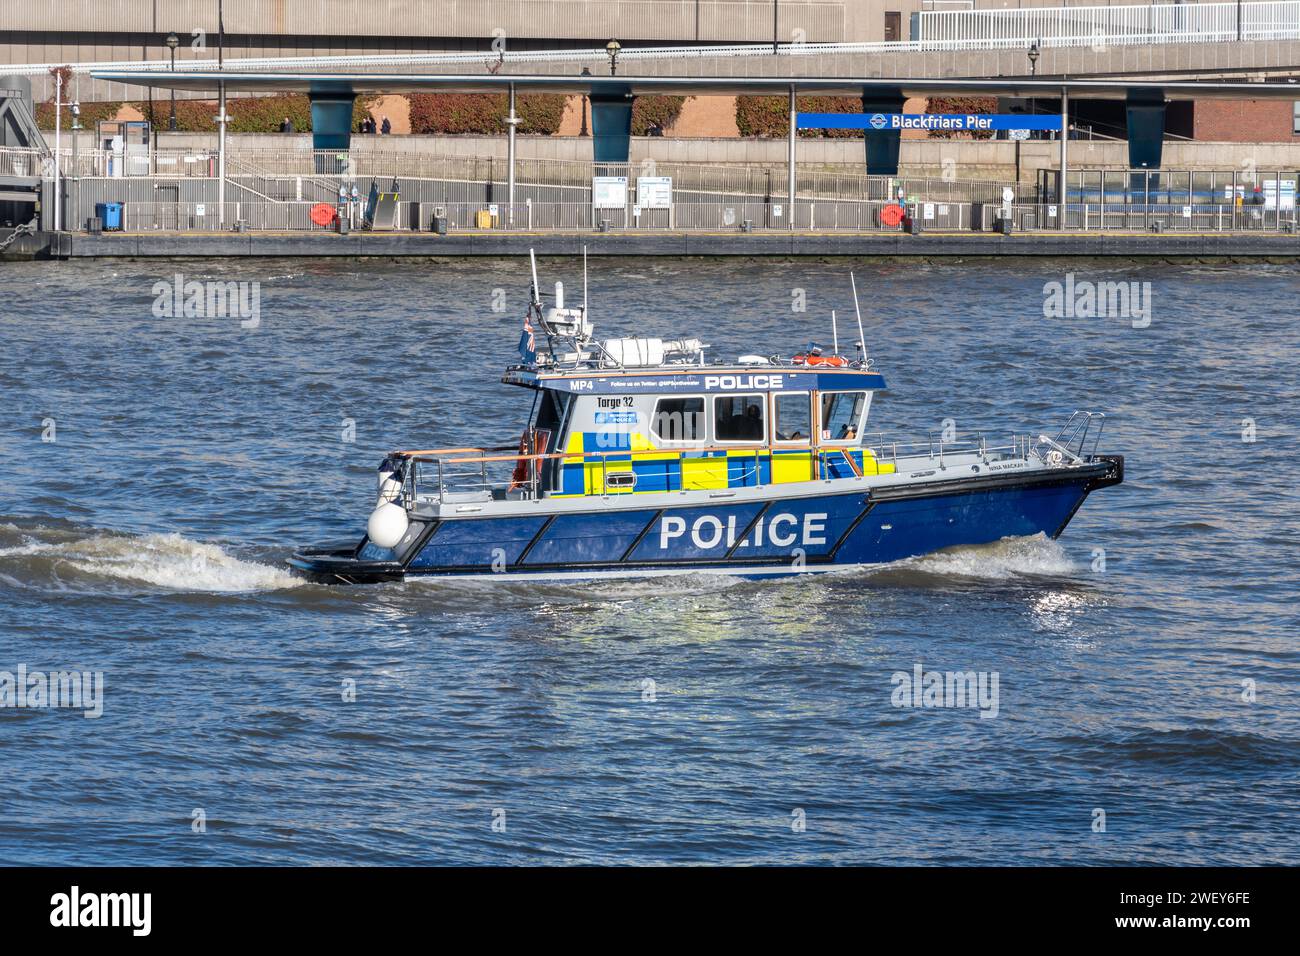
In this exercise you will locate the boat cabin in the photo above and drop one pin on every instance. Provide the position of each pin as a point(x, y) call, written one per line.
point(630, 430)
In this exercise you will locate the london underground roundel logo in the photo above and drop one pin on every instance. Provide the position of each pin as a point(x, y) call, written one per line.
point(878, 121)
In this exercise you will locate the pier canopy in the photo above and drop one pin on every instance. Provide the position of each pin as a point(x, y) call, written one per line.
point(332, 96)
point(612, 97)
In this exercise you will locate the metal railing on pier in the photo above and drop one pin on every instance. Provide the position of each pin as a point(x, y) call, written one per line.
point(318, 174)
point(714, 217)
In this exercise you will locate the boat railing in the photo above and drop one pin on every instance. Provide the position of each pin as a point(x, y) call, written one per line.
point(1074, 436)
point(937, 446)
point(469, 471)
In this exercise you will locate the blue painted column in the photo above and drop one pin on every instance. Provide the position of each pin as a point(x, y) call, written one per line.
point(611, 124)
point(1146, 128)
point(331, 130)
point(331, 120)
point(882, 146)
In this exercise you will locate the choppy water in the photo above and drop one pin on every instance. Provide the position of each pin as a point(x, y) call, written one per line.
point(146, 541)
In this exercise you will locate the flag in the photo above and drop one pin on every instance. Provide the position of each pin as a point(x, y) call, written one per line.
point(527, 343)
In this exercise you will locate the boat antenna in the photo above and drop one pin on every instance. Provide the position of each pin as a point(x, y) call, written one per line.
point(862, 338)
point(835, 335)
point(537, 296)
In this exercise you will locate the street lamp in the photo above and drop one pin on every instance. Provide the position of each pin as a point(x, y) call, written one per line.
point(583, 131)
point(173, 41)
point(1033, 58)
point(611, 50)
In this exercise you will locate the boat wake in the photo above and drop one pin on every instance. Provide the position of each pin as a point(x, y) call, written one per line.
point(1006, 560)
point(67, 558)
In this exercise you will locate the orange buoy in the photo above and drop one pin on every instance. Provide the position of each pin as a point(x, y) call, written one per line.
point(891, 215)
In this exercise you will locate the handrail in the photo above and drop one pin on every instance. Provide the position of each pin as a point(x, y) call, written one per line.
point(759, 448)
point(883, 453)
point(448, 451)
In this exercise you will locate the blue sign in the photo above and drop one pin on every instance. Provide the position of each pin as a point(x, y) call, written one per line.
point(955, 122)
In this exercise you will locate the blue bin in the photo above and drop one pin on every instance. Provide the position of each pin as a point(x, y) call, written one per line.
point(110, 214)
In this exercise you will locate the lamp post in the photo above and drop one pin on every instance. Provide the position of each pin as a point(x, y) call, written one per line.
point(583, 131)
point(173, 41)
point(611, 50)
point(1033, 71)
point(58, 146)
point(222, 118)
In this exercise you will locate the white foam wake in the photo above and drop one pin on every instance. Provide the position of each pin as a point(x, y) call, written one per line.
point(999, 561)
point(164, 560)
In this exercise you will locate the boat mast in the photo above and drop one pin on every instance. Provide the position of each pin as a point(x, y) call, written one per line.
point(862, 338)
point(537, 294)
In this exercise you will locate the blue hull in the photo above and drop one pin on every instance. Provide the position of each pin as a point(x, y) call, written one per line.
point(761, 538)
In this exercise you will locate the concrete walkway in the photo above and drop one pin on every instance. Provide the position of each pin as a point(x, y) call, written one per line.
point(1127, 245)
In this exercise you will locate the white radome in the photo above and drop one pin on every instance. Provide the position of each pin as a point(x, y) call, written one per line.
point(387, 525)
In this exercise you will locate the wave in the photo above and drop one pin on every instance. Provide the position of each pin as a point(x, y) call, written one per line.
point(46, 556)
point(1206, 748)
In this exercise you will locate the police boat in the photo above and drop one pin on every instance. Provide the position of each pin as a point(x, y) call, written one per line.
point(644, 456)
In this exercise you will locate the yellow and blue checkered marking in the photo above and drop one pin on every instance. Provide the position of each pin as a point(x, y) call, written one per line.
point(585, 472)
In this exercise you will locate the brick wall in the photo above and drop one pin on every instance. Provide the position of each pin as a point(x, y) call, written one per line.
point(1244, 121)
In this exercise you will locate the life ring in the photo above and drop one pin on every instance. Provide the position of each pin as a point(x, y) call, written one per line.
point(541, 438)
point(323, 214)
point(831, 361)
point(892, 215)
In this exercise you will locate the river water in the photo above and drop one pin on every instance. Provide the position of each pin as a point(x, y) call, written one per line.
point(157, 470)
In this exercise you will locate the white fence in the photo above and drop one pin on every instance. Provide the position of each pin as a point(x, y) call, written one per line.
point(1100, 27)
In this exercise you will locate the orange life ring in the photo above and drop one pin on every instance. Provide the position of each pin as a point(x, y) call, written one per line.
point(322, 214)
point(832, 361)
point(542, 438)
point(891, 215)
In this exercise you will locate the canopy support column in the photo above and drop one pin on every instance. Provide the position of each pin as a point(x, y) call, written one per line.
point(611, 124)
point(882, 144)
point(1145, 110)
point(790, 157)
point(1065, 142)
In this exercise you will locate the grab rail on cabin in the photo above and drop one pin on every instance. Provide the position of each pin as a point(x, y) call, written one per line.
point(1073, 437)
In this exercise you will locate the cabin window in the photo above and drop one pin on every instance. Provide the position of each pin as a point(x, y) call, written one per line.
point(793, 417)
point(738, 418)
point(841, 415)
point(551, 408)
point(678, 420)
